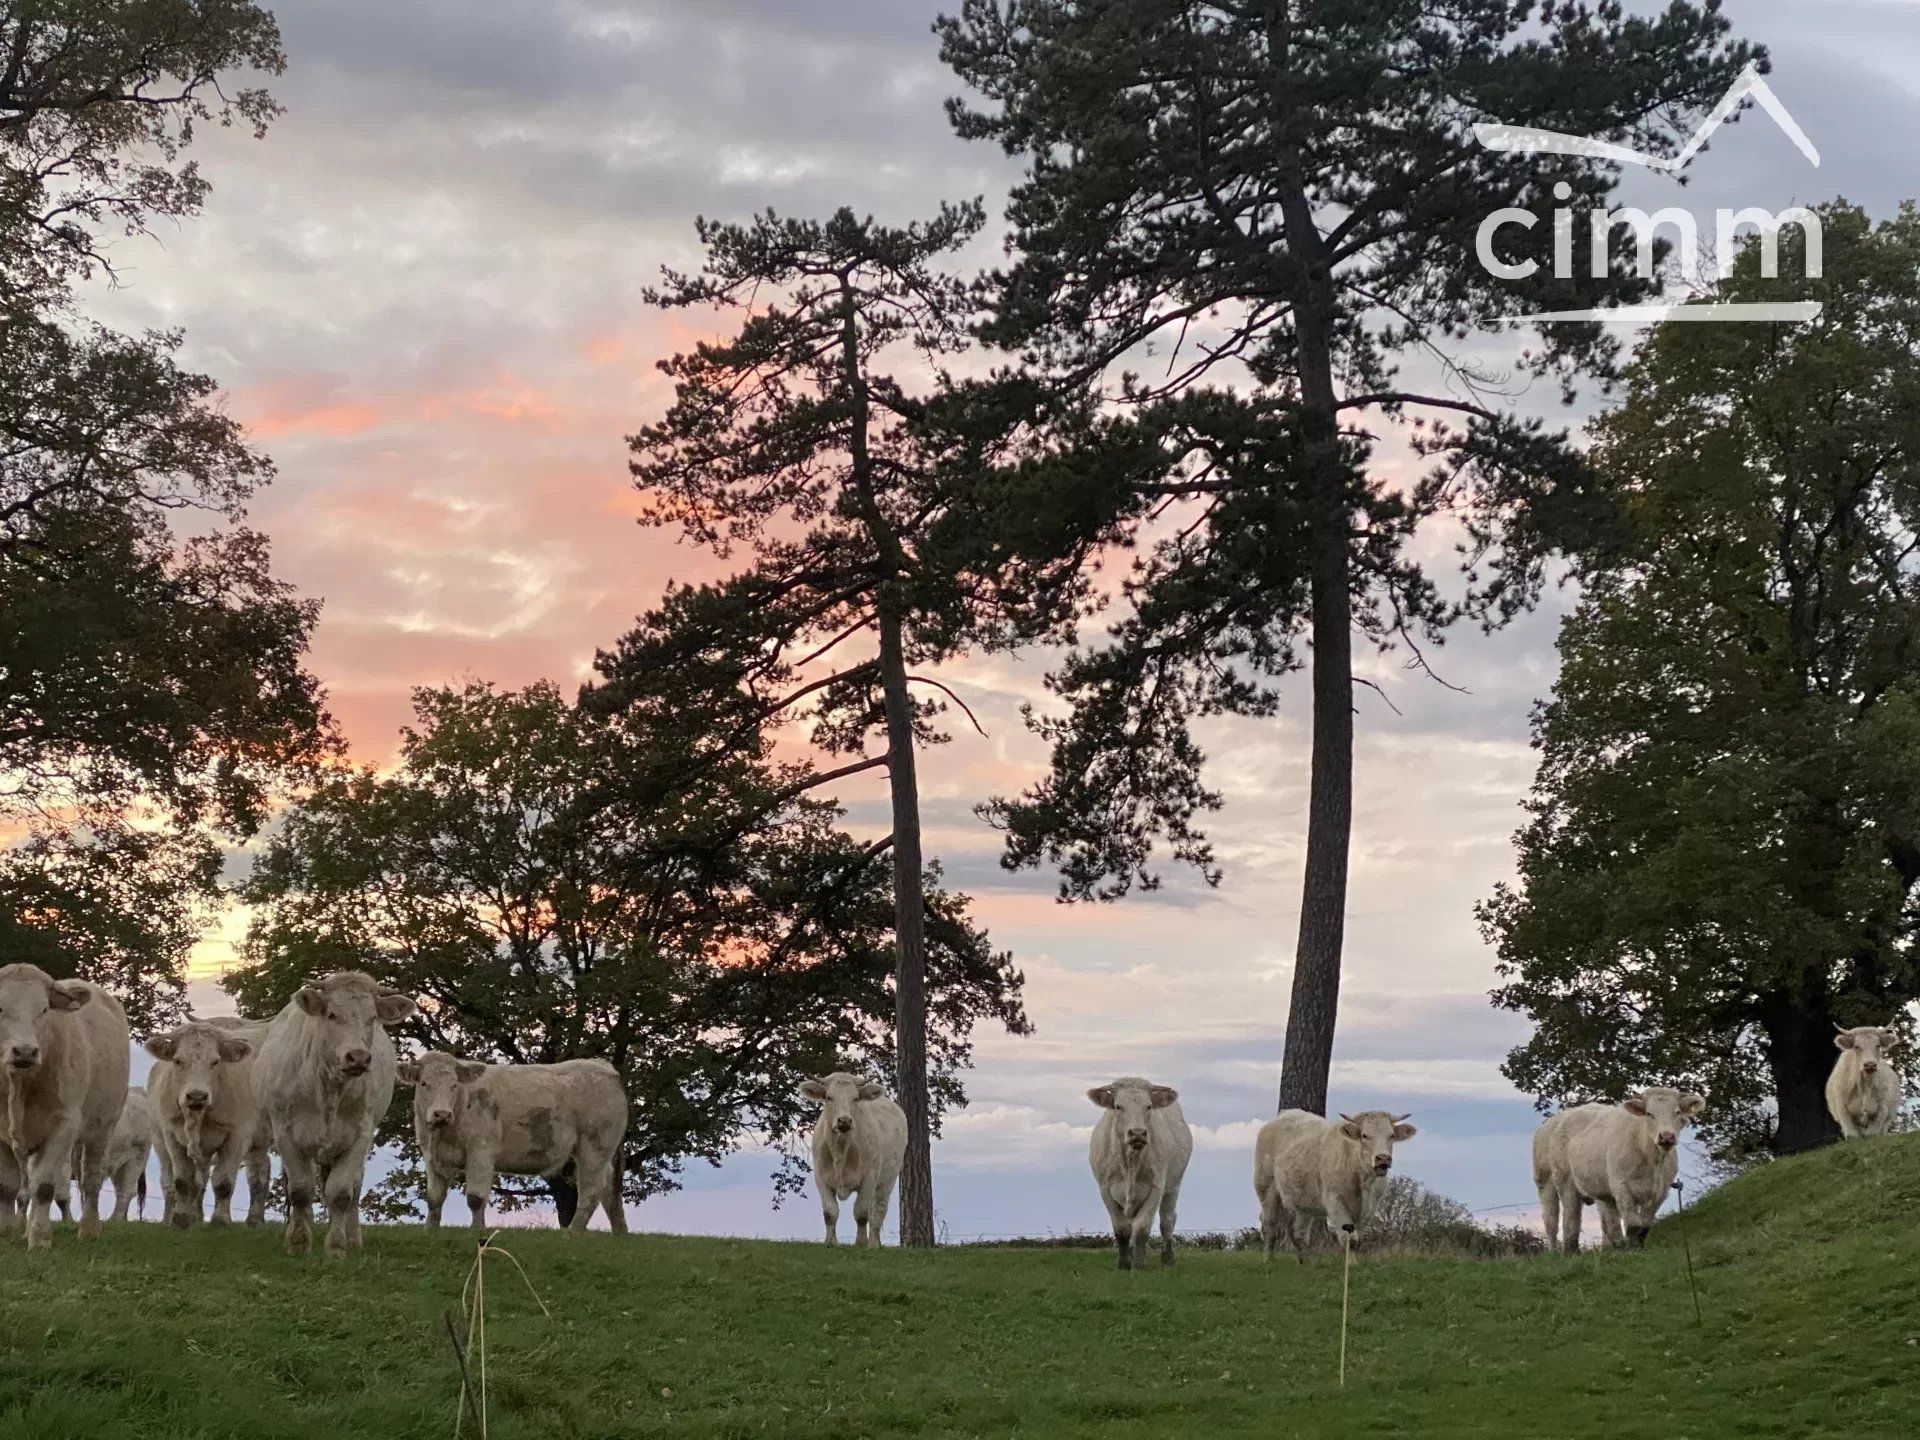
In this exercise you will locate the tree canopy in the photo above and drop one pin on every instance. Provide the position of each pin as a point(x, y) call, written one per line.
point(1724, 845)
point(553, 883)
point(1255, 224)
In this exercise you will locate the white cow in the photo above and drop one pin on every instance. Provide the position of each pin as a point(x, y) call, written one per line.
point(209, 1120)
point(326, 1072)
point(63, 1084)
point(1863, 1092)
point(127, 1154)
point(1138, 1155)
point(1307, 1168)
point(1620, 1158)
point(859, 1144)
point(474, 1120)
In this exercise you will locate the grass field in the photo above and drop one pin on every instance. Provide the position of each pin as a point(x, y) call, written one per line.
point(1808, 1271)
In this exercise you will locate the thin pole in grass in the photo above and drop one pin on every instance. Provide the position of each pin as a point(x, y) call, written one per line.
point(1346, 1279)
point(1687, 1250)
point(473, 1298)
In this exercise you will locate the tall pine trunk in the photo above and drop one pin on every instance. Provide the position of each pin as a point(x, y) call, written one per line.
point(1315, 1003)
point(909, 917)
point(1314, 1008)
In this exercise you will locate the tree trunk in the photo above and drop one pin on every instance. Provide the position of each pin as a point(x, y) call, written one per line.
point(566, 1195)
point(1800, 1056)
point(1323, 901)
point(909, 917)
point(1315, 1003)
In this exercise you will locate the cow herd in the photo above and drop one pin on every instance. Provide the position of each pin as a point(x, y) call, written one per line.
point(313, 1082)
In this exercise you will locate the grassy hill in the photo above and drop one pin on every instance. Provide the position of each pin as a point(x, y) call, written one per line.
point(1809, 1276)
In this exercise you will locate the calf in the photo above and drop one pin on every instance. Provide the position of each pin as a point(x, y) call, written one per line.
point(208, 1119)
point(325, 1076)
point(1863, 1092)
point(127, 1152)
point(1307, 1168)
point(473, 1121)
point(63, 1081)
point(1138, 1155)
point(859, 1144)
point(1620, 1158)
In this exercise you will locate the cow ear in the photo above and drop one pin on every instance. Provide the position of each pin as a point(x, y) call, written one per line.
point(1102, 1095)
point(1350, 1128)
point(1844, 1040)
point(1634, 1104)
point(1403, 1132)
point(67, 995)
point(311, 999)
point(813, 1090)
point(1887, 1037)
point(407, 1072)
point(468, 1071)
point(1163, 1095)
point(869, 1090)
point(163, 1047)
point(392, 1009)
point(233, 1049)
point(1692, 1104)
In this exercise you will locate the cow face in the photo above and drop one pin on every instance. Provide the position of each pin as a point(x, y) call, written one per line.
point(198, 1052)
point(28, 996)
point(1377, 1133)
point(440, 1086)
point(351, 1011)
point(1666, 1112)
point(1132, 1102)
point(837, 1094)
point(1869, 1042)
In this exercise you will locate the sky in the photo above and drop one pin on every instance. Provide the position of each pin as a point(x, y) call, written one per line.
point(422, 293)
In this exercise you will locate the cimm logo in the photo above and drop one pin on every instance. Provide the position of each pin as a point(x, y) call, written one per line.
point(1695, 264)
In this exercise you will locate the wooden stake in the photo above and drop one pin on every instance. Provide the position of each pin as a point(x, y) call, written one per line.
point(1346, 1277)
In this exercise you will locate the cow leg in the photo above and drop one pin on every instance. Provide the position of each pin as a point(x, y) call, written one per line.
point(1142, 1226)
point(616, 1203)
point(479, 1185)
point(10, 1182)
point(1299, 1231)
point(259, 1178)
point(1572, 1216)
point(48, 1172)
point(436, 1196)
point(93, 1175)
point(343, 1205)
point(1272, 1221)
point(1169, 1205)
point(298, 1168)
point(1122, 1230)
point(829, 1210)
point(1610, 1223)
point(590, 1176)
point(225, 1170)
point(877, 1213)
point(189, 1184)
point(125, 1181)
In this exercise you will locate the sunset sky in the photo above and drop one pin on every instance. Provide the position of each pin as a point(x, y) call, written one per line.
point(422, 293)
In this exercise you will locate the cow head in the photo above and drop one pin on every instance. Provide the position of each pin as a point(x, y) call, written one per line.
point(1377, 1133)
point(198, 1051)
point(1869, 1042)
point(837, 1094)
point(1131, 1102)
point(351, 1010)
point(440, 1084)
point(1667, 1112)
point(28, 996)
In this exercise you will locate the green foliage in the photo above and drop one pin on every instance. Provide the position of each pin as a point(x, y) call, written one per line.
point(1725, 837)
point(152, 689)
point(97, 101)
point(1799, 1267)
point(552, 884)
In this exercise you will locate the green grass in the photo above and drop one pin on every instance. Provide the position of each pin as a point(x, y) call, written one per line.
point(1809, 1275)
